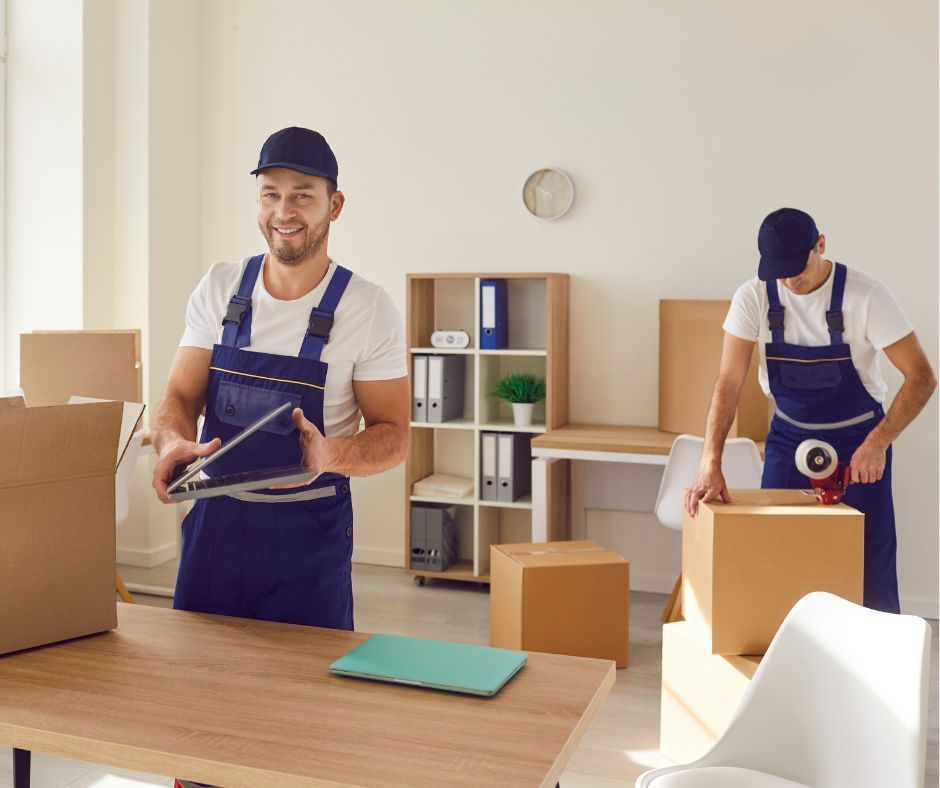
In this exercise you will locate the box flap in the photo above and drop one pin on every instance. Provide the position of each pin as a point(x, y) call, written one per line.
point(132, 413)
point(769, 502)
point(58, 442)
point(559, 554)
point(6, 403)
point(104, 364)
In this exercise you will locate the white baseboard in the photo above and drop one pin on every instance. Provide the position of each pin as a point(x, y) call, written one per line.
point(146, 558)
point(925, 607)
point(378, 556)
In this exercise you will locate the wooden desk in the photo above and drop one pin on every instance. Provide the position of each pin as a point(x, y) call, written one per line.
point(593, 442)
point(236, 702)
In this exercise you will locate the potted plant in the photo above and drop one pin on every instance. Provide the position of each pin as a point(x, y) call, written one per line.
point(523, 391)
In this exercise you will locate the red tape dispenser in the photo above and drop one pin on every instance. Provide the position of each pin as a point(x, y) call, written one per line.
point(819, 461)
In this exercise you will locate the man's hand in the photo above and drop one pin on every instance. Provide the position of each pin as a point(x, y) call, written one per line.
point(180, 452)
point(868, 462)
point(709, 485)
point(316, 449)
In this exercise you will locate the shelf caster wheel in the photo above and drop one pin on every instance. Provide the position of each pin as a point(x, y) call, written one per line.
point(419, 581)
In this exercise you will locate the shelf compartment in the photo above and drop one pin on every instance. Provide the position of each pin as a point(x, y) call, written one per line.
point(438, 303)
point(497, 411)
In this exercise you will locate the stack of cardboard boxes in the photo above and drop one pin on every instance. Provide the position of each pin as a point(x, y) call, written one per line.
point(744, 566)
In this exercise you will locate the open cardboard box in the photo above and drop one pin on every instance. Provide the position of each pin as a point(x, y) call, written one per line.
point(57, 541)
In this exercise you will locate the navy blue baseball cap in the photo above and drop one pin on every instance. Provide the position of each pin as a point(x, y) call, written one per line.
point(298, 149)
point(785, 239)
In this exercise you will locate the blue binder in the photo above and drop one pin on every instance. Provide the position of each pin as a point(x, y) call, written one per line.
point(494, 323)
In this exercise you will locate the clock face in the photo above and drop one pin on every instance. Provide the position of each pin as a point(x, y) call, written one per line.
point(548, 193)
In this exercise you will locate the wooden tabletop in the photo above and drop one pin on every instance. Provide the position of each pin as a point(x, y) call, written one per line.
point(237, 702)
point(609, 437)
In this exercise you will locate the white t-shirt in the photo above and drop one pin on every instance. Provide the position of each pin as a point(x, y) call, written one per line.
point(366, 342)
point(873, 320)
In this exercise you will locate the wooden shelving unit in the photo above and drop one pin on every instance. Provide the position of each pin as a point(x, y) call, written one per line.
point(538, 343)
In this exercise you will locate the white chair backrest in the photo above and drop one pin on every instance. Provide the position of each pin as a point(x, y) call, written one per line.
point(740, 463)
point(123, 477)
point(840, 700)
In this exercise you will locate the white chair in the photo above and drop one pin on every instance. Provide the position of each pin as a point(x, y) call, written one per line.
point(122, 490)
point(741, 465)
point(839, 701)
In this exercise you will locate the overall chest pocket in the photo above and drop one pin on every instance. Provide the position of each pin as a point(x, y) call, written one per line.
point(810, 377)
point(241, 405)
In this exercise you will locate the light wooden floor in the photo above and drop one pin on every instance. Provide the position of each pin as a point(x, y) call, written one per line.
point(621, 744)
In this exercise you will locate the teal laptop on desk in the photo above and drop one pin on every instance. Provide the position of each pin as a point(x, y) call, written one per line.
point(456, 667)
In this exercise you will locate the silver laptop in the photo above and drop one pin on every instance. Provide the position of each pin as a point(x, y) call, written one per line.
point(186, 487)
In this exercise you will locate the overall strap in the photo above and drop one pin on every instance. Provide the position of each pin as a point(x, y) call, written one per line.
point(236, 325)
point(774, 312)
point(321, 317)
point(834, 315)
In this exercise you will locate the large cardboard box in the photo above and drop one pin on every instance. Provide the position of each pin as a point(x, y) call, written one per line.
point(690, 342)
point(744, 565)
point(57, 543)
point(103, 364)
point(561, 598)
point(701, 692)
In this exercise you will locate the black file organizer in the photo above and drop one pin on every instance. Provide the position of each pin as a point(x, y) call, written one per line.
point(434, 545)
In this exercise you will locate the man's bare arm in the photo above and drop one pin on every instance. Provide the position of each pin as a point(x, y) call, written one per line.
point(383, 444)
point(174, 422)
point(710, 482)
point(868, 462)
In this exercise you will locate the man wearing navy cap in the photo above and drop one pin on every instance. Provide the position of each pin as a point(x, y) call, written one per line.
point(289, 325)
point(820, 326)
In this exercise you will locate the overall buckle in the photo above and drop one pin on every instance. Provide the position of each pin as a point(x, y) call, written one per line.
point(775, 320)
point(237, 309)
point(835, 321)
point(321, 323)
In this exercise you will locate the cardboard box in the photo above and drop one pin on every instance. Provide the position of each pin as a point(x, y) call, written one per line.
point(561, 598)
point(744, 565)
point(103, 364)
point(700, 694)
point(690, 343)
point(57, 542)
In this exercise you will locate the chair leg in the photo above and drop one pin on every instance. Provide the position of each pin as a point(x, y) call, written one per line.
point(673, 610)
point(21, 759)
point(122, 589)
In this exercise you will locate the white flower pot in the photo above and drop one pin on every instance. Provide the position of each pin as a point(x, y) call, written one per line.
point(522, 413)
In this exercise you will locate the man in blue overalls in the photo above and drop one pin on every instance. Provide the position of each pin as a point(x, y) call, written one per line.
point(820, 326)
point(286, 326)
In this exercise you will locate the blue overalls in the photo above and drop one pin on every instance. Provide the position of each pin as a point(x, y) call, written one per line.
point(278, 555)
point(819, 394)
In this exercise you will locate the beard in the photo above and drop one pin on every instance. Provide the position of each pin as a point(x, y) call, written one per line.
point(293, 254)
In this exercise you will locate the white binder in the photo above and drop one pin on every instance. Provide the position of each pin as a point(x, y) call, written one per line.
point(419, 390)
point(488, 477)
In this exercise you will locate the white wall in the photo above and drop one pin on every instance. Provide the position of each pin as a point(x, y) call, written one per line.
point(682, 123)
point(44, 165)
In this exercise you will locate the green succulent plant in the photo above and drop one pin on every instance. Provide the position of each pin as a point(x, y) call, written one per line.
point(519, 387)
